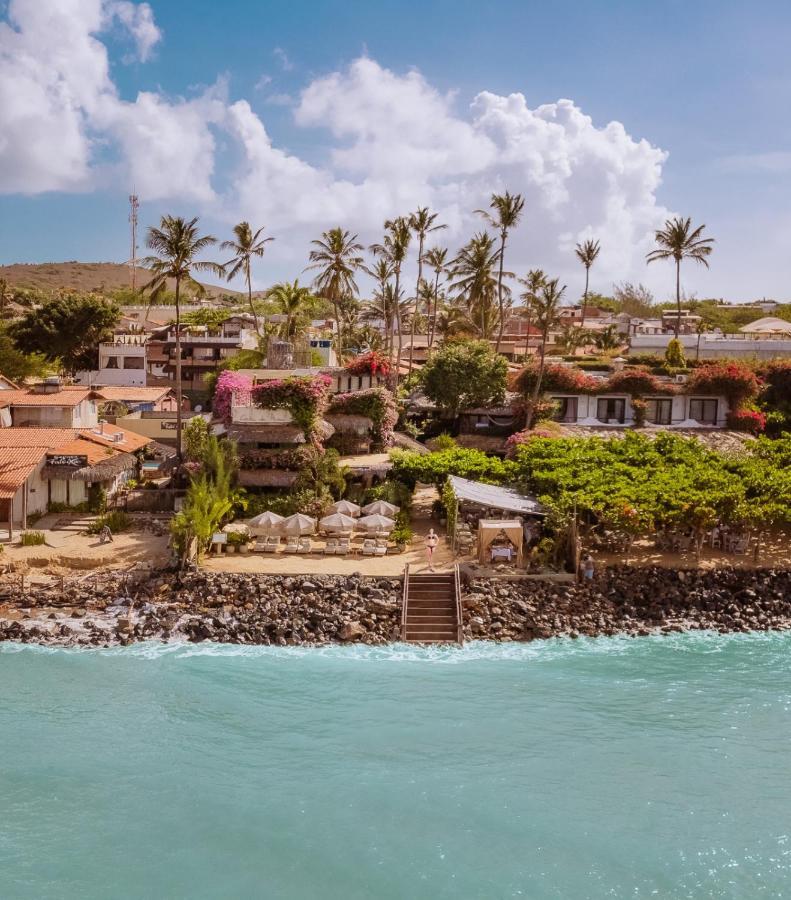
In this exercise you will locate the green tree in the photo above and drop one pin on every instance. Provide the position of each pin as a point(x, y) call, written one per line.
point(394, 249)
point(15, 364)
point(437, 259)
point(476, 283)
point(291, 301)
point(176, 244)
point(244, 247)
point(677, 241)
point(382, 305)
point(421, 223)
point(533, 282)
point(608, 339)
point(68, 328)
point(546, 307)
point(336, 259)
point(507, 213)
point(464, 374)
point(586, 254)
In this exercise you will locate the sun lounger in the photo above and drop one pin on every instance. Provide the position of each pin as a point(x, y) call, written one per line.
point(344, 546)
point(381, 548)
point(332, 545)
point(292, 546)
point(304, 545)
point(369, 547)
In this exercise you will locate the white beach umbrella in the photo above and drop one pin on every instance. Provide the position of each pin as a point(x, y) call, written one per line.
point(346, 507)
point(376, 523)
point(380, 508)
point(265, 523)
point(337, 522)
point(299, 523)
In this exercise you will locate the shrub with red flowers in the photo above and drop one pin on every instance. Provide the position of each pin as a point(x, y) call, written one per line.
point(375, 403)
point(522, 437)
point(304, 397)
point(565, 379)
point(636, 382)
point(750, 420)
point(372, 363)
point(736, 382)
point(232, 387)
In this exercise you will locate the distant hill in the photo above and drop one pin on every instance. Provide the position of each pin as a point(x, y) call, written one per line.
point(84, 276)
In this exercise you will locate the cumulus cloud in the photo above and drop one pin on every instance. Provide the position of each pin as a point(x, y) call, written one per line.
point(384, 143)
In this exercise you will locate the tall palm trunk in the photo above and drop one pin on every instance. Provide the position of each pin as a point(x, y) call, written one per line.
point(250, 299)
point(585, 296)
point(432, 325)
point(397, 367)
point(500, 295)
point(417, 300)
point(179, 396)
point(527, 335)
point(339, 324)
point(678, 298)
point(539, 378)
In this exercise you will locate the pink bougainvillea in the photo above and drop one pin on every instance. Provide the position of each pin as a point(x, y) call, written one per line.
point(734, 381)
point(232, 388)
point(566, 379)
point(377, 404)
point(750, 420)
point(305, 398)
point(372, 363)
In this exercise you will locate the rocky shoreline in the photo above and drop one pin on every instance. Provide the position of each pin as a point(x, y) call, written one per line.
point(114, 610)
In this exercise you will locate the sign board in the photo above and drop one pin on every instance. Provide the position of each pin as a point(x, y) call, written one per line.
point(168, 426)
point(219, 537)
point(63, 460)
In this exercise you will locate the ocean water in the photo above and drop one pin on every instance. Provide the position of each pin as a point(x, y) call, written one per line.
point(651, 767)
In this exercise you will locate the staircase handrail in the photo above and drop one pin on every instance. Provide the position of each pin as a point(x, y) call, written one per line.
point(457, 589)
point(404, 602)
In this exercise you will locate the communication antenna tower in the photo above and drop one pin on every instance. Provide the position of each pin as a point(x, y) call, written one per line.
point(134, 203)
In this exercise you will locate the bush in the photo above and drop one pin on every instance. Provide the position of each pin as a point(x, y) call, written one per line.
point(117, 520)
point(371, 363)
point(565, 379)
point(375, 403)
point(237, 538)
point(734, 381)
point(674, 355)
point(32, 538)
point(97, 499)
point(750, 420)
point(636, 382)
point(402, 535)
point(444, 442)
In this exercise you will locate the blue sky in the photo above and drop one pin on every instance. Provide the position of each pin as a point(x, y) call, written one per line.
point(291, 132)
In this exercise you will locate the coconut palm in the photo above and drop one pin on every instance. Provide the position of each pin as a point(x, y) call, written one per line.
point(677, 241)
point(176, 244)
point(421, 223)
point(451, 320)
point(507, 213)
point(572, 337)
point(546, 307)
point(533, 282)
point(586, 254)
point(246, 245)
point(290, 300)
point(383, 299)
point(336, 259)
point(437, 258)
point(475, 282)
point(394, 249)
point(608, 339)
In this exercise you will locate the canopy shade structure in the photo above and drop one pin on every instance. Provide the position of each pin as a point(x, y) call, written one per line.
point(265, 523)
point(493, 497)
point(299, 523)
point(380, 508)
point(491, 530)
point(346, 507)
point(337, 522)
point(376, 523)
point(767, 325)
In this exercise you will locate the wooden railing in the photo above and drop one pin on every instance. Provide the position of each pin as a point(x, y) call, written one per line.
point(404, 602)
point(457, 591)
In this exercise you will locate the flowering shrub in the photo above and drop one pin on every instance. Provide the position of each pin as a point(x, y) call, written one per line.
point(293, 459)
point(636, 382)
point(639, 411)
point(304, 397)
point(372, 363)
point(230, 385)
point(522, 437)
point(375, 403)
point(749, 420)
point(734, 381)
point(566, 379)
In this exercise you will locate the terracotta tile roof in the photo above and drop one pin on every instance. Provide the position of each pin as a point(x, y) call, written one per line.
point(16, 464)
point(49, 438)
point(130, 440)
point(79, 447)
point(65, 397)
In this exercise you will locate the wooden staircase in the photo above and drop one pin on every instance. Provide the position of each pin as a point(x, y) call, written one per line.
point(431, 612)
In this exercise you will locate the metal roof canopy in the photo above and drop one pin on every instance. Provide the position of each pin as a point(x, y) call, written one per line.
point(494, 497)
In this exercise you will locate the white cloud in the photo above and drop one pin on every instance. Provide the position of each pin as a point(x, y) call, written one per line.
point(282, 57)
point(384, 142)
point(773, 162)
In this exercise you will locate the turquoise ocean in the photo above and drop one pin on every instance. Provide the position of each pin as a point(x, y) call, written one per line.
point(650, 767)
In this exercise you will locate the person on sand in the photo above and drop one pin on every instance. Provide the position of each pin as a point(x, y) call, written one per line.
point(431, 542)
point(105, 535)
point(587, 567)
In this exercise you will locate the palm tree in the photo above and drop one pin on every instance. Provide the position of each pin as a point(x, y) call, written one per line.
point(533, 282)
point(336, 258)
point(587, 253)
point(507, 213)
point(608, 339)
point(450, 320)
point(546, 307)
point(437, 258)
point(382, 306)
point(394, 249)
point(572, 337)
point(421, 223)
point(290, 299)
point(678, 241)
point(176, 243)
point(473, 269)
point(244, 248)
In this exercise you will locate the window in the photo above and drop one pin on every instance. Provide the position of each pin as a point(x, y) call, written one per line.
point(703, 411)
point(112, 362)
point(567, 409)
point(611, 409)
point(133, 362)
point(659, 411)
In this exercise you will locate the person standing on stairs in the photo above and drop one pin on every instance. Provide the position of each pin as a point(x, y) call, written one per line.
point(431, 542)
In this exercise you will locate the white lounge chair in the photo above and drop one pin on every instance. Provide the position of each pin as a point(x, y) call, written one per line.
point(331, 546)
point(304, 545)
point(369, 547)
point(381, 548)
point(344, 546)
point(292, 545)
